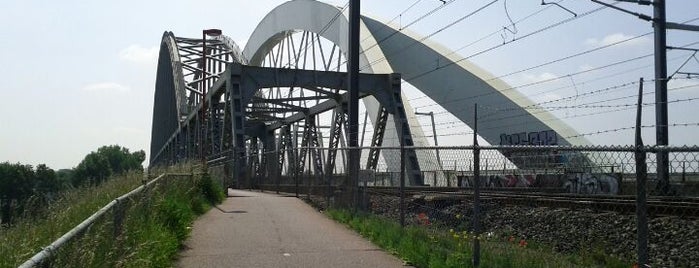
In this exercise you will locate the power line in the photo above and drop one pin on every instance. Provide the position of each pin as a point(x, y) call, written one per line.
point(551, 26)
point(415, 42)
point(564, 58)
point(546, 80)
point(624, 107)
point(406, 26)
point(569, 86)
point(570, 56)
point(541, 82)
point(498, 31)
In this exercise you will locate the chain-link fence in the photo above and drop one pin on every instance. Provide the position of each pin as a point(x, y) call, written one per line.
point(571, 199)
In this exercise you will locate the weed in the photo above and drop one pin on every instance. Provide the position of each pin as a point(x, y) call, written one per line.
point(429, 246)
point(152, 225)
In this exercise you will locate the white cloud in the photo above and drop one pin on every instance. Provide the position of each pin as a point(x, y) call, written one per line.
point(139, 55)
point(614, 38)
point(533, 78)
point(106, 86)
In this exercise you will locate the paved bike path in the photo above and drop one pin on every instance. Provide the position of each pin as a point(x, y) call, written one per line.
point(252, 229)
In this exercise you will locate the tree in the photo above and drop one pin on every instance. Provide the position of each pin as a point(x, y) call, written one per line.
point(65, 178)
point(94, 169)
point(46, 180)
point(24, 189)
point(104, 162)
point(17, 184)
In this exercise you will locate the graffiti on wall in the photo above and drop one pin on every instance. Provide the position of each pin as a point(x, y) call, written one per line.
point(500, 181)
point(578, 183)
point(546, 137)
point(532, 159)
point(587, 183)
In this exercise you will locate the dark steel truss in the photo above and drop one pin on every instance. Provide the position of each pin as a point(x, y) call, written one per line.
point(254, 128)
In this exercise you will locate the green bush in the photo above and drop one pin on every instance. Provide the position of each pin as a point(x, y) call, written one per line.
point(176, 215)
point(210, 190)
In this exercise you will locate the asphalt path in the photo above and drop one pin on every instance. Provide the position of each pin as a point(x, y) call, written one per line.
point(252, 229)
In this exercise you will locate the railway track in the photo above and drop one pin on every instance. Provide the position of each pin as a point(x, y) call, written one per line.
point(656, 205)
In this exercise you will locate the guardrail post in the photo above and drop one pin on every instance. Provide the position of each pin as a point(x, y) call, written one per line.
point(118, 213)
point(118, 220)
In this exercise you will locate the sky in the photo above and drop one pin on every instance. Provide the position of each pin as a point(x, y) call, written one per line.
point(80, 74)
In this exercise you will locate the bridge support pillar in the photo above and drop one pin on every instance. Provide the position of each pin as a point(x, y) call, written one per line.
point(234, 91)
point(270, 157)
point(400, 120)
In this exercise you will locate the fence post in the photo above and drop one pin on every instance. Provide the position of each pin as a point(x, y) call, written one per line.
point(365, 192)
point(296, 172)
point(278, 174)
point(310, 169)
point(476, 192)
point(330, 185)
point(402, 185)
point(684, 174)
point(641, 212)
point(641, 172)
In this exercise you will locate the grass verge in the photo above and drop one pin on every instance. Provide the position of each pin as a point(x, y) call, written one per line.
point(145, 231)
point(432, 247)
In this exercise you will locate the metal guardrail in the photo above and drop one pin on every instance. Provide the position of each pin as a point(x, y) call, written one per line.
point(49, 250)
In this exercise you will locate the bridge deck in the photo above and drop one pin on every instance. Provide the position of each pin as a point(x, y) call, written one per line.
point(252, 229)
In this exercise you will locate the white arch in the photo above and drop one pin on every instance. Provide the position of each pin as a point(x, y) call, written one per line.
point(445, 76)
point(410, 54)
point(314, 16)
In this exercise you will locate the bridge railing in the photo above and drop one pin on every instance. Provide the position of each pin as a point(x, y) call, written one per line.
point(111, 216)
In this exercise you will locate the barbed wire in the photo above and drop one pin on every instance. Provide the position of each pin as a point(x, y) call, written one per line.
point(540, 82)
point(633, 127)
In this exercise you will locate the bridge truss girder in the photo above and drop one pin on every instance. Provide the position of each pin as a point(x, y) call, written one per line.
point(236, 95)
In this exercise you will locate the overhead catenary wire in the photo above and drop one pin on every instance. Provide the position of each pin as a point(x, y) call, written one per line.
point(620, 108)
point(546, 28)
point(546, 80)
point(568, 57)
point(429, 13)
point(415, 42)
point(541, 81)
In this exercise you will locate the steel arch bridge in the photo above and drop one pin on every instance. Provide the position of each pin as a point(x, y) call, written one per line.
point(289, 82)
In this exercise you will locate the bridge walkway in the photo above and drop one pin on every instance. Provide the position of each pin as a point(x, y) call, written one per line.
point(253, 229)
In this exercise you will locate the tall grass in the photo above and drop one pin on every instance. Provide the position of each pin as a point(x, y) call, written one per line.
point(145, 231)
point(432, 247)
